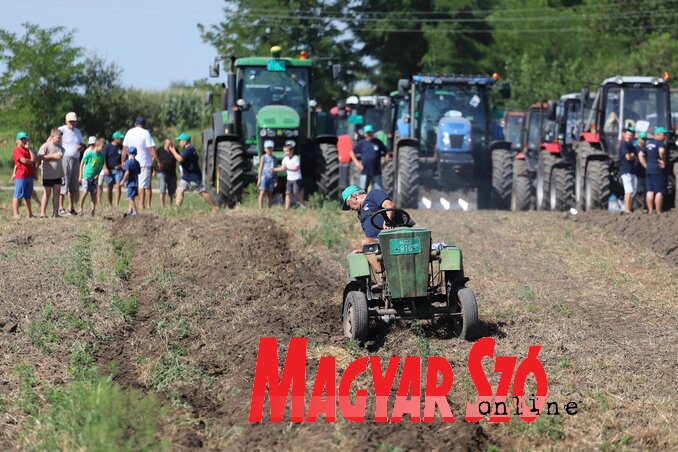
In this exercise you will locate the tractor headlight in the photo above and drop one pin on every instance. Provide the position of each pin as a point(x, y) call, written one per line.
point(262, 132)
point(270, 132)
point(446, 140)
point(467, 143)
point(289, 133)
point(296, 132)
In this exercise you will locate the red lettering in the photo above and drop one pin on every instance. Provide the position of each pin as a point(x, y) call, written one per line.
point(267, 374)
point(436, 395)
point(325, 381)
point(410, 383)
point(531, 365)
point(383, 384)
point(482, 348)
point(353, 412)
point(504, 365)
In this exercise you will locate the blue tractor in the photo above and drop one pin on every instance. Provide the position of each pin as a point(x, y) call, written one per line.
point(450, 141)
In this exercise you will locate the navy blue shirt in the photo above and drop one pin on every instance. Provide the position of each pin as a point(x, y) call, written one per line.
point(370, 153)
point(190, 165)
point(372, 203)
point(132, 165)
point(652, 156)
point(112, 156)
point(627, 166)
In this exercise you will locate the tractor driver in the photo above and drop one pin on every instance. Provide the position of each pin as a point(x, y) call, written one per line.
point(355, 198)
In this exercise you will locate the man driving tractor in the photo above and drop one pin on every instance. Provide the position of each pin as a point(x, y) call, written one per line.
point(357, 199)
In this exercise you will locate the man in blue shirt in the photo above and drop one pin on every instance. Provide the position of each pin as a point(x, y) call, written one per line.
point(403, 125)
point(653, 159)
point(191, 176)
point(355, 198)
point(627, 168)
point(370, 149)
point(113, 167)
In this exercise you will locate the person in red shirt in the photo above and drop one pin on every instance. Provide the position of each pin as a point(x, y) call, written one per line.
point(25, 160)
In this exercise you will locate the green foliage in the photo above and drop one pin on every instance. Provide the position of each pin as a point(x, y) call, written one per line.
point(28, 398)
point(96, 414)
point(124, 308)
point(123, 253)
point(332, 230)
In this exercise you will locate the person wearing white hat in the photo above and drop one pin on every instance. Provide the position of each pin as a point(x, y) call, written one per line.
point(71, 141)
point(266, 176)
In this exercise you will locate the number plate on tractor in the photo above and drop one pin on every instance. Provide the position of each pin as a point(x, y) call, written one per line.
point(405, 246)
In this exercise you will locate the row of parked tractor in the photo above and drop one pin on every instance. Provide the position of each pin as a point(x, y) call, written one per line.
point(442, 132)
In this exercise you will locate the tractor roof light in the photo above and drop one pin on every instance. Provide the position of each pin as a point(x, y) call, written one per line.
point(666, 76)
point(276, 51)
point(312, 103)
point(496, 76)
point(618, 80)
point(303, 55)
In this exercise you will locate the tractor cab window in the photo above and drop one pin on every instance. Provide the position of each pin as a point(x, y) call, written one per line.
point(514, 124)
point(375, 117)
point(536, 120)
point(625, 106)
point(260, 88)
point(438, 101)
point(570, 116)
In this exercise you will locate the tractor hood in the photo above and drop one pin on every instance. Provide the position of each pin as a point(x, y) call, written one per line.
point(454, 135)
point(277, 117)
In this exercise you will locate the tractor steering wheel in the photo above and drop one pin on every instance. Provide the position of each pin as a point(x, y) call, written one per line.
point(400, 218)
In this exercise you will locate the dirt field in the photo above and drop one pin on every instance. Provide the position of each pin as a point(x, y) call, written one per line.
point(174, 306)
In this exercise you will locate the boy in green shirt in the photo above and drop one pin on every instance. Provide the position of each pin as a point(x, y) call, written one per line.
point(91, 165)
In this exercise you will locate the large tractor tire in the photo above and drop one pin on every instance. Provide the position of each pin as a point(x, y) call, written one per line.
point(356, 316)
point(502, 178)
point(561, 188)
point(545, 162)
point(597, 185)
point(388, 177)
point(327, 170)
point(522, 194)
point(406, 190)
point(208, 155)
point(229, 182)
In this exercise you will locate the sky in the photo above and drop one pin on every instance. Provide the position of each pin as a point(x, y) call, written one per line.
point(154, 42)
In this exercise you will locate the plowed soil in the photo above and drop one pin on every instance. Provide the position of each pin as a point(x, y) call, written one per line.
point(209, 286)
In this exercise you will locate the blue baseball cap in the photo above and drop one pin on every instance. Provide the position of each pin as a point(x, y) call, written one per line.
point(132, 150)
point(368, 128)
point(660, 129)
point(184, 136)
point(117, 134)
point(21, 136)
point(348, 191)
point(140, 121)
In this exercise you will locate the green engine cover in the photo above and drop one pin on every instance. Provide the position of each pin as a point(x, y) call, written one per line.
point(406, 254)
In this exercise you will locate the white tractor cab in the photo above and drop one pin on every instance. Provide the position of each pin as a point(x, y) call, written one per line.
point(619, 102)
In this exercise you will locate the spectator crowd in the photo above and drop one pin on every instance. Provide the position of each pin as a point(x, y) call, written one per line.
point(72, 171)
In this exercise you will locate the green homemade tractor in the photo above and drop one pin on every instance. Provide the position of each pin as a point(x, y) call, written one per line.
point(268, 99)
point(421, 281)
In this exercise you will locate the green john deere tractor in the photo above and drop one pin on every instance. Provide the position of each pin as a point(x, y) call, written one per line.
point(268, 99)
point(421, 281)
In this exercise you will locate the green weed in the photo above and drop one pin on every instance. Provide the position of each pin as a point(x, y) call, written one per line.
point(124, 308)
point(386, 447)
point(80, 270)
point(43, 330)
point(97, 415)
point(564, 362)
point(170, 369)
point(601, 399)
point(177, 328)
point(562, 309)
point(332, 230)
point(527, 294)
point(426, 348)
point(28, 398)
point(123, 258)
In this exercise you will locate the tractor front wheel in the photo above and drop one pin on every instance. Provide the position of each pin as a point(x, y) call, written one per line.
point(522, 195)
point(327, 170)
point(466, 325)
point(597, 185)
point(502, 178)
point(356, 317)
point(229, 182)
point(406, 190)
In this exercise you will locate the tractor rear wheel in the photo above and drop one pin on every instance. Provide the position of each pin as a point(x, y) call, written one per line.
point(229, 182)
point(597, 185)
point(561, 188)
point(522, 195)
point(545, 162)
point(387, 177)
point(327, 170)
point(502, 178)
point(406, 189)
point(469, 315)
point(356, 317)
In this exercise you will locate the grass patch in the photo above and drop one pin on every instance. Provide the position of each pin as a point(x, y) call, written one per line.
point(601, 399)
point(96, 415)
point(527, 294)
point(123, 257)
point(544, 427)
point(333, 230)
point(426, 348)
point(44, 330)
point(124, 308)
point(177, 328)
point(28, 398)
point(171, 368)
point(80, 270)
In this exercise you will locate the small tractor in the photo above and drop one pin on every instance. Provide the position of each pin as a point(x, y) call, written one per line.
point(619, 102)
point(268, 99)
point(450, 144)
point(420, 281)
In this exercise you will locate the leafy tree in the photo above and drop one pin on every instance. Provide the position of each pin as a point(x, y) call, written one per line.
point(42, 75)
